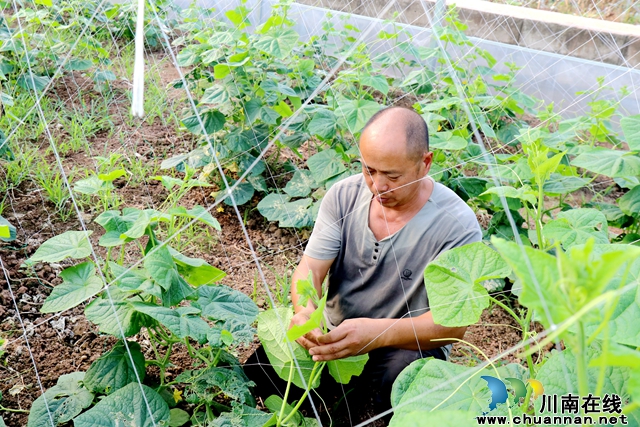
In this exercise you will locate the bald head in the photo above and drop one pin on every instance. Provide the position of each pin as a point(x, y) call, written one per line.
point(406, 121)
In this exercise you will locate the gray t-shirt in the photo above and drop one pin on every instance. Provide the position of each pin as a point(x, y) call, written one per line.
point(383, 278)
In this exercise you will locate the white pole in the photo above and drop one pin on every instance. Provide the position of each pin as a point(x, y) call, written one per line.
point(137, 102)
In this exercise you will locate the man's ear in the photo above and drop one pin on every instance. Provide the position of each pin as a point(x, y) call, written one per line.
point(427, 159)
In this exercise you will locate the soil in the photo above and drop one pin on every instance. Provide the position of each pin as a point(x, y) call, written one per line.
point(41, 347)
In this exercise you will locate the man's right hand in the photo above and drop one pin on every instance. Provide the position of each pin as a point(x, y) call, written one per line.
point(310, 339)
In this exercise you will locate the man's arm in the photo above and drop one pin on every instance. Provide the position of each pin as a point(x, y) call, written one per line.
point(319, 269)
point(358, 336)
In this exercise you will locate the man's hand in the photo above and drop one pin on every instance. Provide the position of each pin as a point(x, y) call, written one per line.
point(352, 337)
point(310, 339)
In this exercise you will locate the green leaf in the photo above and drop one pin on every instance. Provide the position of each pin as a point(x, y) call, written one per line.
point(212, 120)
point(630, 202)
point(323, 124)
point(283, 109)
point(198, 213)
point(64, 401)
point(631, 128)
point(101, 312)
point(71, 244)
point(221, 71)
point(560, 184)
point(206, 383)
point(196, 271)
point(538, 274)
point(9, 230)
point(576, 226)
point(115, 221)
point(78, 64)
point(91, 185)
point(559, 376)
point(354, 114)
point(378, 82)
point(178, 417)
point(230, 332)
point(296, 214)
point(524, 193)
point(223, 303)
point(187, 57)
point(38, 83)
point(159, 263)
point(112, 176)
point(127, 407)
point(216, 94)
point(183, 322)
point(273, 206)
point(447, 141)
point(47, 3)
point(79, 284)
point(278, 42)
point(343, 369)
point(178, 292)
point(454, 283)
point(611, 163)
point(274, 404)
point(325, 165)
point(113, 370)
point(242, 193)
point(272, 327)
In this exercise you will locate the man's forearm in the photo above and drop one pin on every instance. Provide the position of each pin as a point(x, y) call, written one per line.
point(413, 333)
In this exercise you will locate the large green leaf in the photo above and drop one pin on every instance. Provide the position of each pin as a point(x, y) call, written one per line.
point(538, 274)
point(229, 333)
point(343, 369)
point(127, 407)
point(454, 283)
point(10, 231)
point(278, 42)
point(576, 226)
point(116, 221)
point(159, 263)
point(224, 303)
point(272, 206)
point(630, 202)
point(354, 114)
point(113, 370)
point(183, 322)
point(631, 128)
point(35, 83)
point(611, 163)
point(196, 271)
point(560, 377)
point(524, 193)
point(71, 244)
point(301, 184)
point(91, 185)
point(61, 403)
point(79, 284)
point(272, 330)
point(297, 214)
point(205, 384)
point(101, 312)
point(212, 120)
point(427, 383)
point(447, 141)
point(323, 124)
point(560, 184)
point(325, 165)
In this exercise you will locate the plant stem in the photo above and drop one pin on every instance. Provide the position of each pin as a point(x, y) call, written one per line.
point(312, 379)
point(580, 353)
point(525, 333)
point(286, 394)
point(21, 411)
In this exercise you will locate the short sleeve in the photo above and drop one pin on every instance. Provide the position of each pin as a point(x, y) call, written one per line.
point(326, 238)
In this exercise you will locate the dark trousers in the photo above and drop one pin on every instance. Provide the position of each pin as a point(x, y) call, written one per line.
point(364, 397)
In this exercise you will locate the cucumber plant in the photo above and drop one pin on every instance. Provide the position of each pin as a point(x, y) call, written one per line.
point(173, 300)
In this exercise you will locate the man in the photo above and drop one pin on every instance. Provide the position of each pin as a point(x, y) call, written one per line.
point(374, 236)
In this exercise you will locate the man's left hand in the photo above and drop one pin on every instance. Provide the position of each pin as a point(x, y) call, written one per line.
point(352, 337)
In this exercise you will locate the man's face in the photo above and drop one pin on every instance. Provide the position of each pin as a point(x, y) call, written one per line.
point(392, 175)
